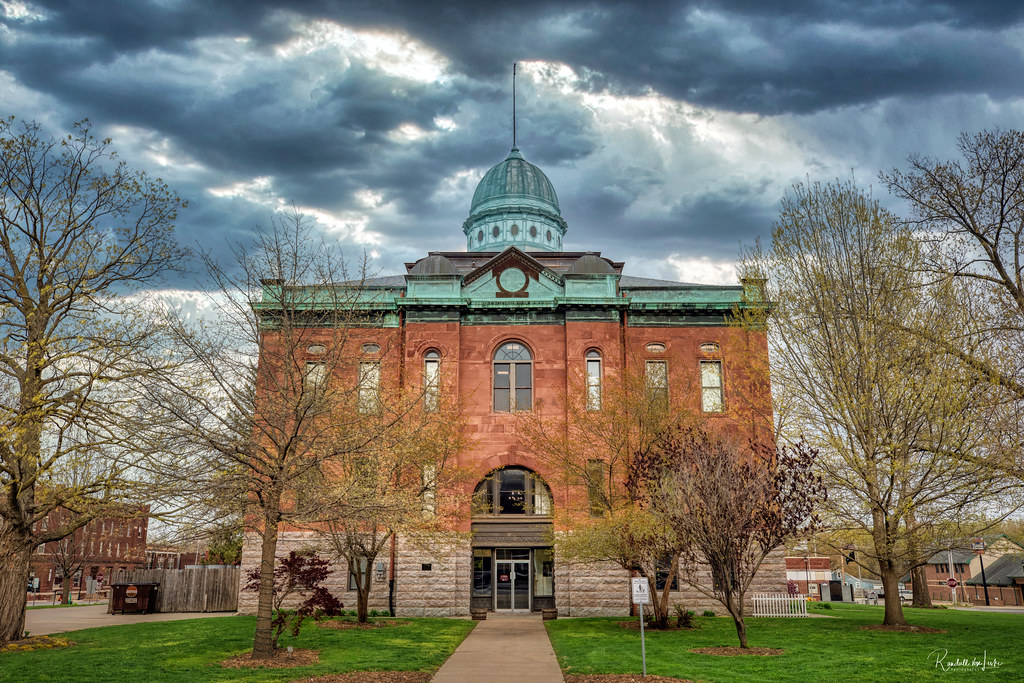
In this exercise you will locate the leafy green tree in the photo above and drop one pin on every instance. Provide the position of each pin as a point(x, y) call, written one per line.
point(898, 425)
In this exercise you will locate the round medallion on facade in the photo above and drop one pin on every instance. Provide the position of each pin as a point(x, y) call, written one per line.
point(495, 231)
point(512, 280)
point(533, 231)
point(515, 230)
point(480, 236)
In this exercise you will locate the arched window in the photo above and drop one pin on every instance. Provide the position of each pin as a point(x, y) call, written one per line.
point(513, 378)
point(593, 380)
point(431, 380)
point(512, 491)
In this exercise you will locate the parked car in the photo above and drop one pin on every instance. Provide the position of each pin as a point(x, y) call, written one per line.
point(906, 595)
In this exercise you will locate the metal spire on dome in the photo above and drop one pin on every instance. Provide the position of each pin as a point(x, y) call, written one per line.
point(514, 105)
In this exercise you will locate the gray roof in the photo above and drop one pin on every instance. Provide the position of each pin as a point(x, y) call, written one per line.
point(382, 281)
point(959, 557)
point(625, 282)
point(633, 282)
point(1001, 572)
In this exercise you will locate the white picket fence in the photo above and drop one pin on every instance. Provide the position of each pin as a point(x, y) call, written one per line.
point(779, 605)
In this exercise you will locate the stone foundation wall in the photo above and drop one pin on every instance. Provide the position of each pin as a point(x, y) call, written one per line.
point(443, 589)
point(336, 582)
point(581, 590)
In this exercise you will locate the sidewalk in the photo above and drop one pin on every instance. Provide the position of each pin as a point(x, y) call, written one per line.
point(41, 622)
point(503, 649)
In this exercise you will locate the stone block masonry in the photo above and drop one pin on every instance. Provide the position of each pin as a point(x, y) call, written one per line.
point(434, 578)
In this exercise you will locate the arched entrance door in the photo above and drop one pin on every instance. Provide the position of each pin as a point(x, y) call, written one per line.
point(513, 559)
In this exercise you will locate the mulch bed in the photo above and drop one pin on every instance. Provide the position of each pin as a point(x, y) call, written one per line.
point(281, 660)
point(36, 643)
point(372, 677)
point(733, 651)
point(345, 625)
point(902, 629)
point(622, 678)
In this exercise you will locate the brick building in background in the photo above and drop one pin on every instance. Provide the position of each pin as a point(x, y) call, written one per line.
point(809, 573)
point(93, 553)
point(506, 323)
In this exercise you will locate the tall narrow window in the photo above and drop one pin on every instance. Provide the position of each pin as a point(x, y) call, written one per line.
point(313, 379)
point(595, 487)
point(711, 386)
point(431, 380)
point(657, 382)
point(593, 380)
point(369, 387)
point(481, 571)
point(429, 496)
point(513, 378)
point(357, 572)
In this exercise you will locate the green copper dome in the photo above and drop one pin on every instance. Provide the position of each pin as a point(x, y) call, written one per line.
point(514, 204)
point(515, 178)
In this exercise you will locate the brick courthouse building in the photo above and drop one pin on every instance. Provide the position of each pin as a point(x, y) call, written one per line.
point(505, 323)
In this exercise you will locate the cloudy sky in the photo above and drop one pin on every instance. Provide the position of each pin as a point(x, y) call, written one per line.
point(669, 129)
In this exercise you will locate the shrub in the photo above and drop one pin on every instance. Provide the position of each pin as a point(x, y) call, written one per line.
point(684, 617)
point(302, 575)
point(373, 613)
point(709, 613)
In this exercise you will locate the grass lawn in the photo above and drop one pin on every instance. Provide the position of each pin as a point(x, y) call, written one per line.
point(816, 649)
point(189, 651)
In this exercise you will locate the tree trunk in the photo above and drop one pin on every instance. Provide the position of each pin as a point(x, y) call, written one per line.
point(14, 557)
point(264, 641)
point(737, 617)
point(922, 596)
point(65, 590)
point(362, 600)
point(741, 629)
point(893, 608)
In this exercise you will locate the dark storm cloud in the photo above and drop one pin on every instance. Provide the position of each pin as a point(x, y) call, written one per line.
point(323, 131)
point(742, 55)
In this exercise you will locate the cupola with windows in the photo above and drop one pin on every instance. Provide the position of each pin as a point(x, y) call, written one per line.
point(514, 204)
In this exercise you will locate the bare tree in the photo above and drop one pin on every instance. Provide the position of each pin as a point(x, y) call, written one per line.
point(276, 390)
point(406, 482)
point(79, 233)
point(598, 457)
point(731, 506)
point(900, 427)
point(969, 214)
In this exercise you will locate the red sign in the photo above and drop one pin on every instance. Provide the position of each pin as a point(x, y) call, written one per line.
point(951, 582)
point(131, 591)
point(503, 578)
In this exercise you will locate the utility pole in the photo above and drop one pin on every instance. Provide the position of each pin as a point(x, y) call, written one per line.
point(949, 557)
point(984, 583)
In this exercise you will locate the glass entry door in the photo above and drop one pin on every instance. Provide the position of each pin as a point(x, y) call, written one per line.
point(512, 569)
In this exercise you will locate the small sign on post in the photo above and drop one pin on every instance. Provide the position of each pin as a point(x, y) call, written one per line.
point(951, 582)
point(641, 597)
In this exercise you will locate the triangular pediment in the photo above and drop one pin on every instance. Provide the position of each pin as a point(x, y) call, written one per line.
point(511, 273)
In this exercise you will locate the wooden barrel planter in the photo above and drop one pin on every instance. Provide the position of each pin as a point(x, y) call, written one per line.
point(478, 614)
point(549, 614)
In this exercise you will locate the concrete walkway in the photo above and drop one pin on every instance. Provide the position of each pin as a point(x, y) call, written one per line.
point(503, 649)
point(41, 622)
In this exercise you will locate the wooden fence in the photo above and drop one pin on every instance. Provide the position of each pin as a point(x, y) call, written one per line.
point(190, 590)
point(779, 605)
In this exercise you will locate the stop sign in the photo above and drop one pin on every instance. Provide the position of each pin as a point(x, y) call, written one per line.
point(951, 582)
point(131, 591)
